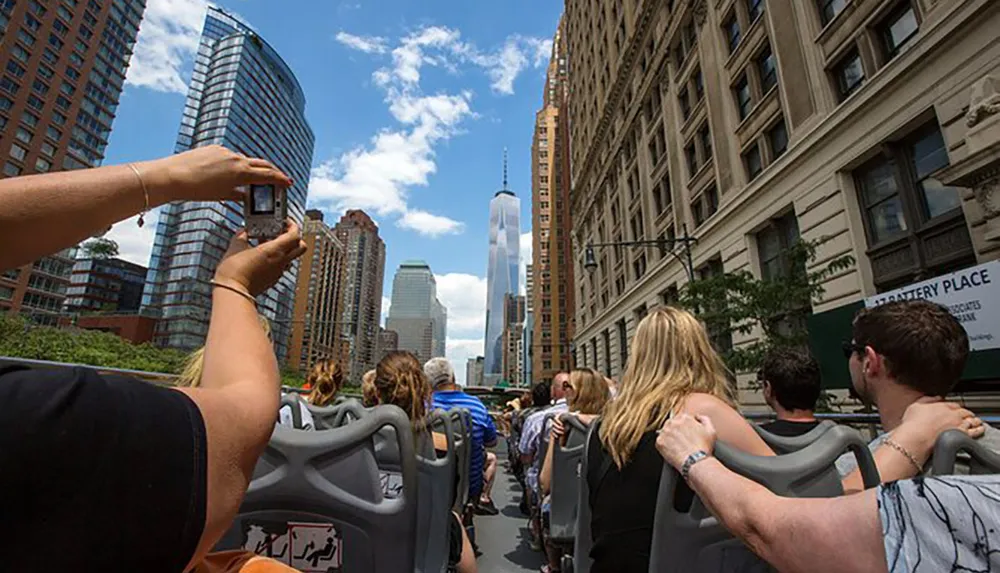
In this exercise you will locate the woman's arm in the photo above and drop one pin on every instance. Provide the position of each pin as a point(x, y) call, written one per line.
point(733, 428)
point(43, 214)
point(793, 535)
point(922, 423)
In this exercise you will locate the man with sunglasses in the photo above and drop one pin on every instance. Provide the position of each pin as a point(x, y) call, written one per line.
point(902, 353)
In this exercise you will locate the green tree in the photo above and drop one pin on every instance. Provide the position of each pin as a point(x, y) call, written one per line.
point(738, 302)
point(100, 248)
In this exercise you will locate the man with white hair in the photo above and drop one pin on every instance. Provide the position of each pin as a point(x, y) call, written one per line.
point(448, 395)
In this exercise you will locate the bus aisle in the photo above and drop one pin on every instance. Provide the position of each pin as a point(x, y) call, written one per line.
point(504, 539)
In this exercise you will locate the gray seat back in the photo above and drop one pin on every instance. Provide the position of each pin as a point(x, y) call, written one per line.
point(436, 490)
point(691, 540)
point(584, 540)
point(566, 466)
point(787, 445)
point(951, 444)
point(344, 411)
point(461, 423)
point(314, 501)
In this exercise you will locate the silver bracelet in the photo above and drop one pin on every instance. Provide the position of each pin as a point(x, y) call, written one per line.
point(692, 460)
point(145, 194)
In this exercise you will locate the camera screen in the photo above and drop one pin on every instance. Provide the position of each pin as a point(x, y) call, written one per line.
point(262, 199)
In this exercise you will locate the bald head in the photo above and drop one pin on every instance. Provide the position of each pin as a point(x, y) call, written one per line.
point(558, 383)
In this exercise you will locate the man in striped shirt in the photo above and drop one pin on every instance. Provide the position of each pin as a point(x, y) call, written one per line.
point(482, 465)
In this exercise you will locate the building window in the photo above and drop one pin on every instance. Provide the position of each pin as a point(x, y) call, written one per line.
point(898, 29)
point(828, 9)
point(777, 136)
point(732, 29)
point(901, 200)
point(661, 194)
point(23, 135)
point(42, 165)
point(705, 136)
point(850, 74)
point(773, 243)
point(18, 152)
point(670, 296)
point(699, 84)
point(743, 99)
point(720, 335)
point(768, 69)
point(622, 345)
point(11, 170)
point(754, 9)
point(692, 159)
point(682, 98)
point(753, 162)
point(639, 265)
point(607, 352)
point(711, 200)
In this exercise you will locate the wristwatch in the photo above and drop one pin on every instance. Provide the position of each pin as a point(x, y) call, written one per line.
point(692, 460)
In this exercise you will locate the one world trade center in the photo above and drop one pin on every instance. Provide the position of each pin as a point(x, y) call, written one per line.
point(502, 274)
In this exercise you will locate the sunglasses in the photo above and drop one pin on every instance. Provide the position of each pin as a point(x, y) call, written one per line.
point(850, 348)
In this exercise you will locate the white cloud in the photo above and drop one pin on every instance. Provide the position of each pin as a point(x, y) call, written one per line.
point(465, 297)
point(134, 242)
point(430, 225)
point(380, 175)
point(524, 260)
point(366, 44)
point(459, 350)
point(386, 303)
point(168, 38)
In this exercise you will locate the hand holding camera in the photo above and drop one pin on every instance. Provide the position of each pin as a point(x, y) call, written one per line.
point(256, 269)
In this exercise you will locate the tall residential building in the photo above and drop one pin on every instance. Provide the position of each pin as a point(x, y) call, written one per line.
point(62, 68)
point(245, 97)
point(474, 371)
point(529, 287)
point(416, 313)
point(552, 294)
point(501, 274)
point(388, 341)
point(751, 124)
point(105, 285)
point(513, 338)
point(362, 304)
point(527, 371)
point(316, 316)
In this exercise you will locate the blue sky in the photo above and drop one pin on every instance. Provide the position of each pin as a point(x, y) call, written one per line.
point(412, 103)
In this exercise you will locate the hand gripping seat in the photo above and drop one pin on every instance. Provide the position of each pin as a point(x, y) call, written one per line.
point(566, 477)
point(949, 450)
point(690, 540)
point(786, 445)
point(315, 501)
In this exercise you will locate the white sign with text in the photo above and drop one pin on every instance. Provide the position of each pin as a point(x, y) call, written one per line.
point(972, 295)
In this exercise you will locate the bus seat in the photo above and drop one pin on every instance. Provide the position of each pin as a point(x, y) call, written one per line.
point(787, 445)
point(344, 411)
point(293, 402)
point(314, 501)
point(956, 447)
point(691, 540)
point(566, 476)
point(461, 423)
point(581, 562)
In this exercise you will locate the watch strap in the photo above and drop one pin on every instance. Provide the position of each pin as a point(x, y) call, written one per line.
point(692, 460)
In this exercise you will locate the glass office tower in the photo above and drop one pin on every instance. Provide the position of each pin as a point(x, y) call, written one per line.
point(416, 314)
point(501, 275)
point(242, 96)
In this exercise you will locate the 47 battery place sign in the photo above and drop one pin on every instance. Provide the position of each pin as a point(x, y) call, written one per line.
point(972, 295)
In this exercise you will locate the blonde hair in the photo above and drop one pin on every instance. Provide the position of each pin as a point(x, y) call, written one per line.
point(400, 380)
point(368, 394)
point(326, 378)
point(194, 366)
point(590, 392)
point(671, 359)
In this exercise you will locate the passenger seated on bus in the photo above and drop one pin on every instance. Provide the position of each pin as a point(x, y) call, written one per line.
point(326, 379)
point(399, 380)
point(586, 398)
point(671, 369)
point(190, 377)
point(193, 450)
point(369, 396)
point(909, 526)
point(903, 352)
point(791, 383)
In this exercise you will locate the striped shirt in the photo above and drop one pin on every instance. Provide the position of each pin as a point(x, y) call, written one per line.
point(483, 432)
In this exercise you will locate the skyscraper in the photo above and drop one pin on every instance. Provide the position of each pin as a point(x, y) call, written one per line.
point(363, 274)
point(501, 274)
point(62, 68)
point(513, 339)
point(316, 332)
point(416, 313)
point(552, 265)
point(242, 96)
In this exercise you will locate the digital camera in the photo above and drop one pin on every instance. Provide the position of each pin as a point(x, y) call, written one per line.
point(265, 209)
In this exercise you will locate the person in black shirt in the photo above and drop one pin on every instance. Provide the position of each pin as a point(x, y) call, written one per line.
point(791, 383)
point(108, 473)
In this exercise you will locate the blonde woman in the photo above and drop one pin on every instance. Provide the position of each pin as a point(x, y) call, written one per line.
point(672, 369)
point(325, 378)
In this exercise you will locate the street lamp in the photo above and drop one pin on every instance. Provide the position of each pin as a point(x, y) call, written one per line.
point(590, 258)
